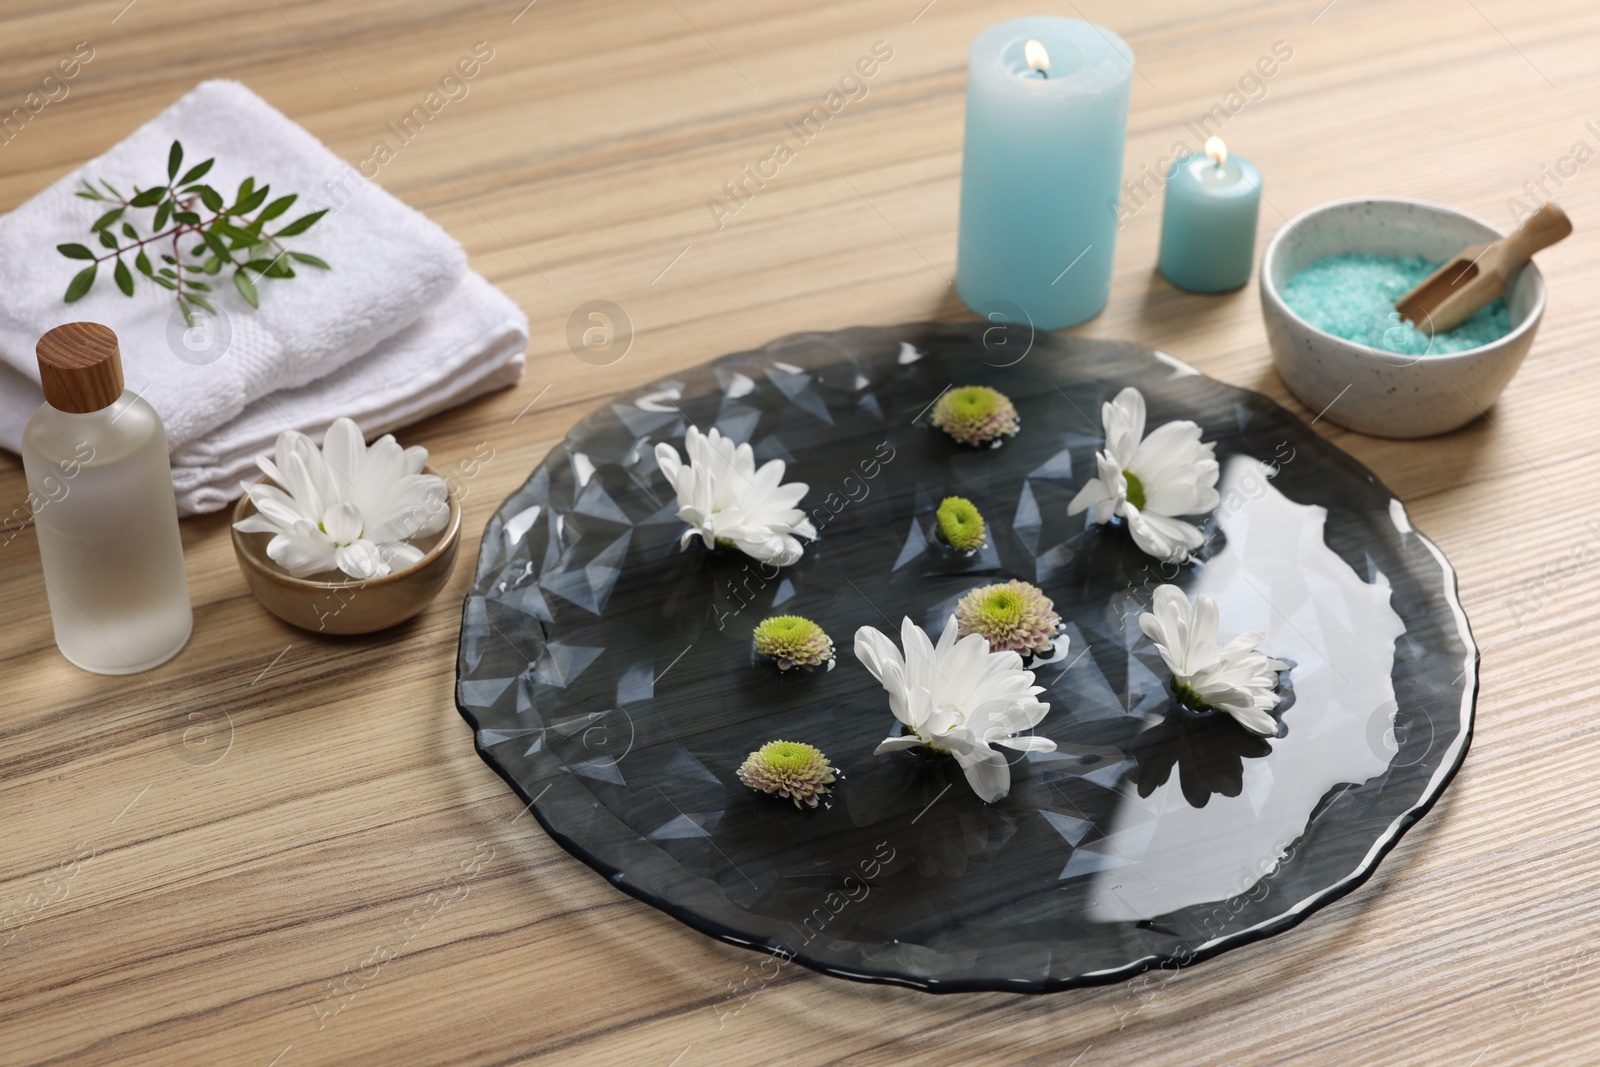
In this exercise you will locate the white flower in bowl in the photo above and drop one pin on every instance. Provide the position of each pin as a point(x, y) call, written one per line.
point(957, 697)
point(728, 502)
point(1149, 481)
point(345, 506)
point(1235, 678)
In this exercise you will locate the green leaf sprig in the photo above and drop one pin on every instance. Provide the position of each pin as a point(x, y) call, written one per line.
point(229, 239)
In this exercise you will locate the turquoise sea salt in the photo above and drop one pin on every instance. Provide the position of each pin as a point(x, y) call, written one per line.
point(1353, 297)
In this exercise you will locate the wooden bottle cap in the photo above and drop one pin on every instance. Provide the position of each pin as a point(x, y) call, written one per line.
point(80, 367)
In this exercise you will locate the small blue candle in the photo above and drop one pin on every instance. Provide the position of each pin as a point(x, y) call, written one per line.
point(1047, 114)
point(1208, 228)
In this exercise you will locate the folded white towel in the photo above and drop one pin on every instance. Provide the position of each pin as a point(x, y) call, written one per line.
point(389, 264)
point(398, 330)
point(470, 344)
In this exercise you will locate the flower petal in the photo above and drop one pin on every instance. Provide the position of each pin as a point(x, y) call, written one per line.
point(301, 555)
point(342, 523)
point(1124, 419)
point(1027, 744)
point(416, 505)
point(1164, 538)
point(279, 508)
point(1092, 493)
point(399, 555)
point(361, 560)
point(987, 772)
point(344, 450)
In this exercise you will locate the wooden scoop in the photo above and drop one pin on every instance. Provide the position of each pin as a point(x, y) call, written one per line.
point(1450, 295)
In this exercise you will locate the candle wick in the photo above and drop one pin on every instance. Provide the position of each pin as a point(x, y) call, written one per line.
point(1045, 74)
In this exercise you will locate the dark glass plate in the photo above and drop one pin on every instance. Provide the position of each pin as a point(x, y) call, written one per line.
point(610, 680)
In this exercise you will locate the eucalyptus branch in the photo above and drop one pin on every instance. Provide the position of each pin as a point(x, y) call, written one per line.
point(230, 238)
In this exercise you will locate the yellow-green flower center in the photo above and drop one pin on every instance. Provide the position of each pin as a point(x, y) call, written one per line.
point(788, 628)
point(960, 523)
point(788, 757)
point(974, 401)
point(1000, 607)
point(1135, 489)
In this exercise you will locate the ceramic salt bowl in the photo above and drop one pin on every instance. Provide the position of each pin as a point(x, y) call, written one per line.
point(336, 605)
point(1368, 390)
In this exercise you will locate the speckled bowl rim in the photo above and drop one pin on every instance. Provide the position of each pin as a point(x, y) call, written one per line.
point(1269, 288)
point(247, 554)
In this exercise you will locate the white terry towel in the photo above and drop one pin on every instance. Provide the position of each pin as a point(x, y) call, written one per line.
point(470, 344)
point(389, 264)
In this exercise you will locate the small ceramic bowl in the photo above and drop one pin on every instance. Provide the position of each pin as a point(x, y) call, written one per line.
point(1383, 393)
point(348, 606)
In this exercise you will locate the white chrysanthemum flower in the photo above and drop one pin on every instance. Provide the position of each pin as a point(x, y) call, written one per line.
point(728, 502)
point(957, 697)
point(1148, 481)
point(1235, 678)
point(345, 506)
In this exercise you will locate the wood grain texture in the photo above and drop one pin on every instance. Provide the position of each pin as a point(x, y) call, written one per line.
point(280, 849)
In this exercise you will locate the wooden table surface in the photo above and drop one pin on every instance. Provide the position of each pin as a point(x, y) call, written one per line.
point(255, 854)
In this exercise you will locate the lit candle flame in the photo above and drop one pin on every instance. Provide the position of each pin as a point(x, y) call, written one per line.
point(1038, 59)
point(1217, 150)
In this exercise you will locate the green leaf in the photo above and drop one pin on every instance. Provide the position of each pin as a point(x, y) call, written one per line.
point(210, 198)
point(202, 302)
point(240, 238)
point(174, 160)
point(215, 242)
point(80, 283)
point(167, 259)
point(301, 224)
point(164, 283)
point(196, 172)
point(124, 277)
point(310, 260)
point(202, 286)
point(163, 213)
point(107, 219)
point(253, 201)
point(276, 208)
point(246, 287)
point(108, 239)
point(183, 306)
point(129, 232)
point(188, 218)
point(88, 192)
point(271, 268)
point(149, 198)
point(112, 189)
point(168, 272)
point(214, 265)
point(75, 251)
point(142, 262)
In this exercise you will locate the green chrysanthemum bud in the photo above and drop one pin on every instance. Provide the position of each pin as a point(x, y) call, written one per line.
point(1012, 616)
point(975, 415)
point(791, 770)
point(793, 642)
point(961, 525)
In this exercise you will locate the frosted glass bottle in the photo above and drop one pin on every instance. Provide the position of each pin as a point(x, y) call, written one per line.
point(100, 486)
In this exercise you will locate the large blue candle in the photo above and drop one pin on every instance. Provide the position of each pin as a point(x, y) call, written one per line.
point(1041, 169)
point(1208, 227)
